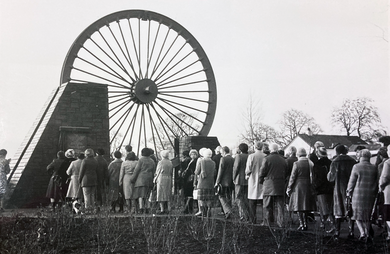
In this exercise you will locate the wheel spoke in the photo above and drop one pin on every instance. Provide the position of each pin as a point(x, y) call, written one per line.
point(123, 118)
point(182, 111)
point(184, 98)
point(135, 47)
point(184, 122)
point(166, 66)
point(100, 77)
point(154, 45)
point(182, 84)
point(127, 51)
point(166, 53)
point(185, 76)
point(127, 112)
point(159, 54)
point(165, 100)
point(152, 127)
point(162, 122)
point(115, 74)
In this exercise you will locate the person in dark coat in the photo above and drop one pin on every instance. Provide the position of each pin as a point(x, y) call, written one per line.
point(363, 187)
point(272, 176)
point(300, 188)
point(88, 178)
point(188, 176)
point(240, 182)
point(384, 186)
point(313, 156)
point(103, 177)
point(4, 170)
point(323, 188)
point(225, 179)
point(115, 195)
point(143, 179)
point(57, 170)
point(340, 171)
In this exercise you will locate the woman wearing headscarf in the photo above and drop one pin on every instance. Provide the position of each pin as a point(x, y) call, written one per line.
point(4, 170)
point(74, 191)
point(163, 179)
point(113, 182)
point(300, 189)
point(205, 170)
point(188, 181)
point(126, 172)
point(143, 179)
point(363, 187)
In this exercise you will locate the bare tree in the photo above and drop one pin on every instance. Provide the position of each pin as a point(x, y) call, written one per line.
point(294, 122)
point(358, 115)
point(254, 129)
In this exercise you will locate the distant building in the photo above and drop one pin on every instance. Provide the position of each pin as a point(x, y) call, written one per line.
point(330, 141)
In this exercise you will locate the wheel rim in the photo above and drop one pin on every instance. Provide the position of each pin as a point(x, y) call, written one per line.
point(160, 82)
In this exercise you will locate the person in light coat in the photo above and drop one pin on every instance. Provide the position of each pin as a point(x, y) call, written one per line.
point(363, 187)
point(75, 192)
point(163, 179)
point(126, 172)
point(300, 188)
point(252, 171)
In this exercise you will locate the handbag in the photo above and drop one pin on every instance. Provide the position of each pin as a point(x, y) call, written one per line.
point(195, 194)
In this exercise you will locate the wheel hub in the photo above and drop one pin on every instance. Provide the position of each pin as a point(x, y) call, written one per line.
point(145, 91)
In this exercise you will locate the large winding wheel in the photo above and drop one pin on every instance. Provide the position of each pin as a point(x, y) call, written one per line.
point(160, 82)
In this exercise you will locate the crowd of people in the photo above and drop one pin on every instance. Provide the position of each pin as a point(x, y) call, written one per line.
point(340, 189)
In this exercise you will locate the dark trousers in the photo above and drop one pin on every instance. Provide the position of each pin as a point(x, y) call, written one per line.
point(269, 202)
point(253, 209)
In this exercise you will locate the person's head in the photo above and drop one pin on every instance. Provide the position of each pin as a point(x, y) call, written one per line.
point(100, 151)
point(61, 154)
point(117, 154)
point(273, 148)
point(321, 152)
point(69, 153)
point(281, 152)
point(201, 151)
point(128, 148)
point(146, 152)
point(365, 155)
point(292, 151)
point(193, 154)
point(3, 152)
point(318, 144)
point(130, 156)
point(207, 153)
point(266, 148)
point(388, 150)
point(81, 156)
point(186, 153)
point(151, 151)
point(164, 154)
point(243, 148)
point(89, 152)
point(383, 152)
point(218, 150)
point(341, 149)
point(301, 152)
point(225, 150)
point(358, 149)
point(259, 145)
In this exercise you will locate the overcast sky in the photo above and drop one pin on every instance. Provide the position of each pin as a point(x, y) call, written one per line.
point(308, 55)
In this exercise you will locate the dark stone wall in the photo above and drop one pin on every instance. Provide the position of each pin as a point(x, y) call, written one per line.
point(72, 105)
point(197, 142)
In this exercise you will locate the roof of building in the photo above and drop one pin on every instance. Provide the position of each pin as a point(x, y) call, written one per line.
point(331, 141)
